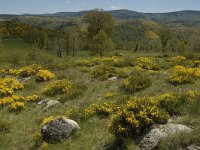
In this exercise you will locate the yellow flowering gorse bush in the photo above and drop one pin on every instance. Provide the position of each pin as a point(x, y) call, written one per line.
point(147, 63)
point(103, 72)
point(24, 71)
point(182, 74)
point(109, 95)
point(102, 110)
point(46, 120)
point(8, 86)
point(32, 98)
point(44, 75)
point(58, 87)
point(13, 98)
point(10, 99)
point(178, 58)
point(17, 106)
point(137, 116)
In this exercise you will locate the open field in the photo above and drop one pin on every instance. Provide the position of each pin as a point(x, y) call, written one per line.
point(90, 86)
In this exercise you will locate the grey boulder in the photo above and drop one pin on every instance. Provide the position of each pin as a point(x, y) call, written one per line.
point(152, 138)
point(58, 129)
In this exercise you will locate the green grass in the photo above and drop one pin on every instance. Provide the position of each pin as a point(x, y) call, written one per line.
point(94, 133)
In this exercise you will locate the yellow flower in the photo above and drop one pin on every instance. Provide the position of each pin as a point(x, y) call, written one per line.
point(17, 106)
point(44, 75)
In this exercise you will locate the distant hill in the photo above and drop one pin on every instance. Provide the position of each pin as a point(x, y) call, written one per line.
point(186, 17)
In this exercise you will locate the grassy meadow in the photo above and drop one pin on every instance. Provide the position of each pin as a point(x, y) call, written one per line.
point(167, 74)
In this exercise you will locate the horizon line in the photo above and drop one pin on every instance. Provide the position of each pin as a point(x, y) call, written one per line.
point(94, 9)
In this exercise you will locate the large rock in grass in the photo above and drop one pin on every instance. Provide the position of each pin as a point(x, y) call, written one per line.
point(152, 138)
point(58, 129)
point(193, 147)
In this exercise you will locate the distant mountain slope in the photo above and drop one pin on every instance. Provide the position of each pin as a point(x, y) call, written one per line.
point(187, 17)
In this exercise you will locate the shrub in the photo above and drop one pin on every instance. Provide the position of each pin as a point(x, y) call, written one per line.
point(58, 87)
point(85, 63)
point(101, 110)
point(17, 106)
point(32, 98)
point(103, 72)
point(76, 113)
point(44, 75)
point(147, 63)
point(24, 71)
point(8, 86)
point(109, 95)
point(178, 58)
point(135, 83)
point(77, 90)
point(137, 116)
point(46, 120)
point(8, 100)
point(44, 146)
point(182, 75)
point(196, 63)
point(37, 139)
point(170, 102)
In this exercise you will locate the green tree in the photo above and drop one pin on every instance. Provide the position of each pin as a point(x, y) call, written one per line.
point(72, 40)
point(101, 43)
point(165, 35)
point(99, 20)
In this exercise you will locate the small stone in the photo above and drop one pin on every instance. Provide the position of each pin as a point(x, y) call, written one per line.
point(113, 79)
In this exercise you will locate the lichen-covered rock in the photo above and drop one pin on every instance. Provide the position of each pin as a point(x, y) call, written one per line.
point(58, 129)
point(193, 147)
point(48, 103)
point(152, 138)
point(113, 79)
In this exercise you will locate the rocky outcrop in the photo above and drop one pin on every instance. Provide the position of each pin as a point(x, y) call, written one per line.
point(152, 138)
point(58, 129)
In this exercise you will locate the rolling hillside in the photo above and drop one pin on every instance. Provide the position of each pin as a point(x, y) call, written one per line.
point(186, 17)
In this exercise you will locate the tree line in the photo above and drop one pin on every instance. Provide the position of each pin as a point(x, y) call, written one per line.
point(100, 34)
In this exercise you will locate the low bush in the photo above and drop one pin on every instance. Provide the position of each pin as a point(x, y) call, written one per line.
point(24, 71)
point(170, 102)
point(182, 75)
point(17, 106)
point(147, 63)
point(102, 110)
point(44, 75)
point(8, 86)
point(39, 143)
point(137, 116)
point(103, 72)
point(136, 82)
point(58, 87)
point(10, 99)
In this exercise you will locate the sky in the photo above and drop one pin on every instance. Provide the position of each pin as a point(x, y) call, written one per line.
point(52, 6)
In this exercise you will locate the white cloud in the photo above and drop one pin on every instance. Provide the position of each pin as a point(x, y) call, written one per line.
point(115, 7)
point(68, 2)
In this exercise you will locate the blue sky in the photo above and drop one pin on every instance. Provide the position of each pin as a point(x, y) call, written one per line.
point(52, 6)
